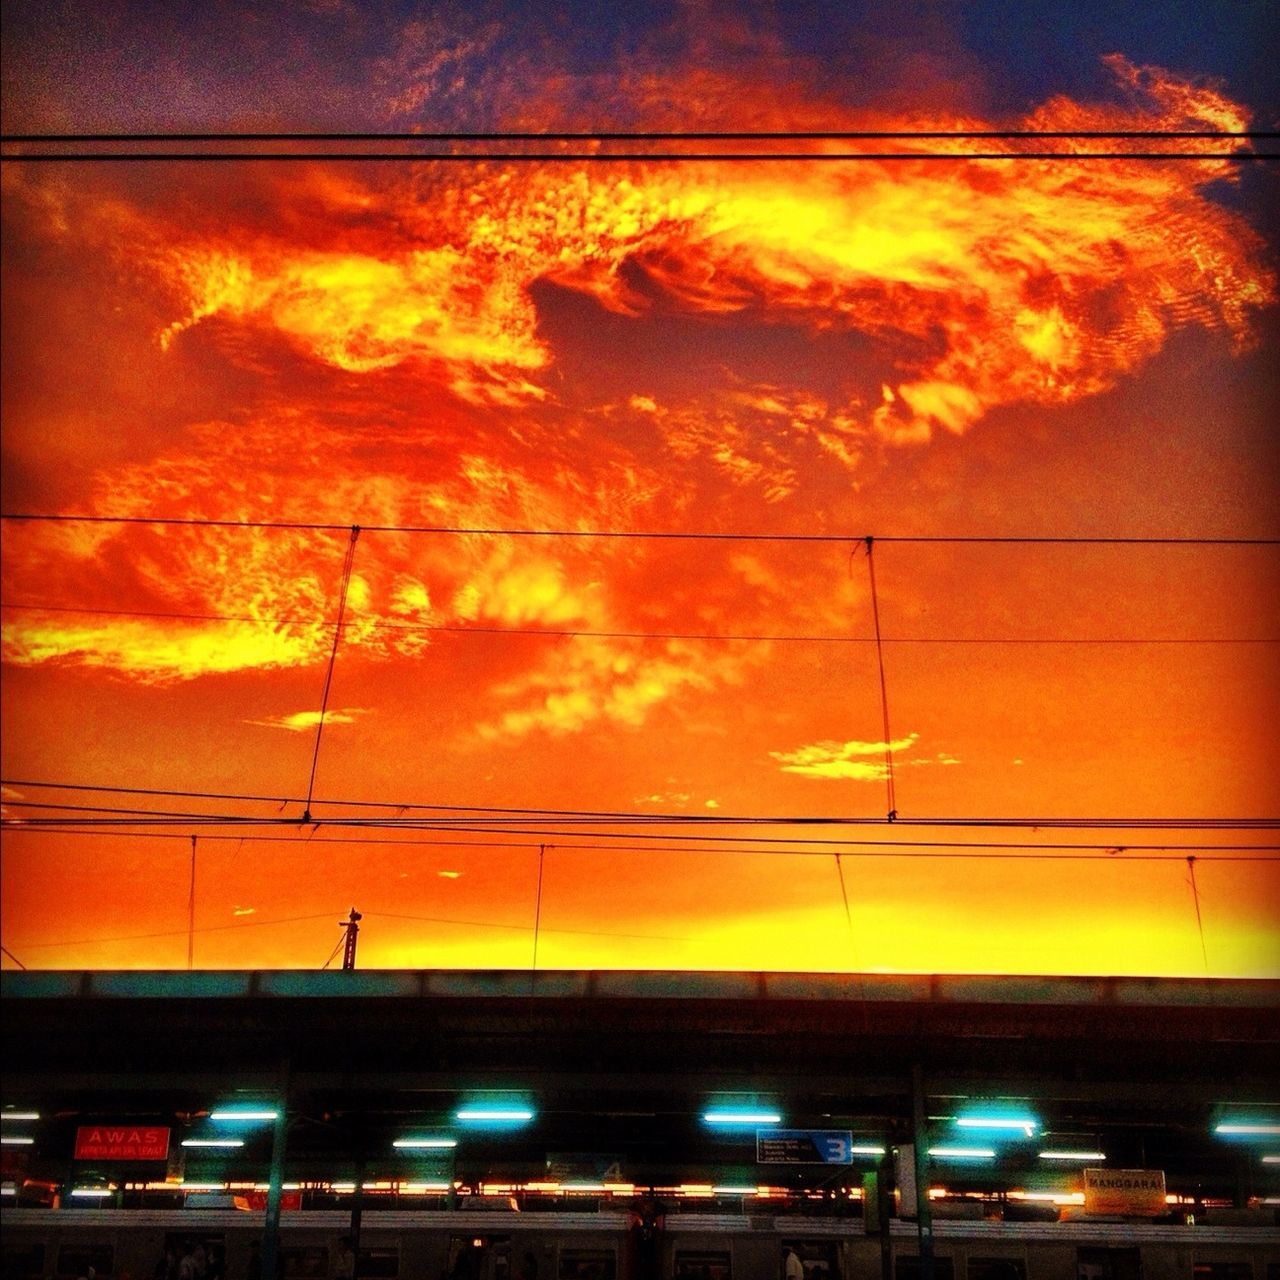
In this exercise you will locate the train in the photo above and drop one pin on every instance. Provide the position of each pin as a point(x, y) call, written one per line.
point(131, 1244)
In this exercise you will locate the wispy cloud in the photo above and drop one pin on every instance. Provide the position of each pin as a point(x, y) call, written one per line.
point(842, 760)
point(301, 721)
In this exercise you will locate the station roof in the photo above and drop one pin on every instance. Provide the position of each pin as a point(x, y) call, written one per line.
point(632, 1058)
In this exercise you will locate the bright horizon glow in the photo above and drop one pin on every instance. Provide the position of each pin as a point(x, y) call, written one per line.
point(425, 1144)
point(724, 1117)
point(213, 1142)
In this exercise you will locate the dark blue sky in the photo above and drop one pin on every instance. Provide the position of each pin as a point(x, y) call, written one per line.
point(333, 63)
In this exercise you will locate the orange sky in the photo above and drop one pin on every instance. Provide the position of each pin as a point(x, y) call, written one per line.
point(909, 348)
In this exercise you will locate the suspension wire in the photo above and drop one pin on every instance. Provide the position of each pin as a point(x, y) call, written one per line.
point(501, 813)
point(1195, 897)
point(848, 915)
point(174, 933)
point(631, 135)
point(167, 819)
point(12, 957)
point(333, 656)
point(647, 534)
point(537, 909)
point(970, 849)
point(337, 947)
point(191, 911)
point(884, 689)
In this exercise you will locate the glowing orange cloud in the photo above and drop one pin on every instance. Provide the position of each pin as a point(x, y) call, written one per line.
point(978, 285)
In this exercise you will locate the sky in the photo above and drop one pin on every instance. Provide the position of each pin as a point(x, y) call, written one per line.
point(550, 482)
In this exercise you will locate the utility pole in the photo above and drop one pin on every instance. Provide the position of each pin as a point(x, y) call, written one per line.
point(352, 928)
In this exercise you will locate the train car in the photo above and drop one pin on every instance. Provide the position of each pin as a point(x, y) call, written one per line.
point(122, 1244)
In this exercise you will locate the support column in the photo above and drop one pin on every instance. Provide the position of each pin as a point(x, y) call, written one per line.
point(920, 1137)
point(275, 1183)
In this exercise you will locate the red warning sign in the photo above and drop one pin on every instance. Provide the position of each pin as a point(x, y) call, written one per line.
point(121, 1142)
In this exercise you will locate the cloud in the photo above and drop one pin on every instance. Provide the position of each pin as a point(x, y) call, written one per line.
point(595, 681)
point(304, 721)
point(842, 760)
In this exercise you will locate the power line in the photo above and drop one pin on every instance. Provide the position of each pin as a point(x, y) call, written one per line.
point(638, 135)
point(486, 813)
point(647, 534)
point(171, 933)
point(392, 624)
point(614, 157)
point(794, 847)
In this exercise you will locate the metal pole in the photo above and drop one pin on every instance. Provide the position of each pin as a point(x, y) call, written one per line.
point(275, 1184)
point(357, 1206)
point(352, 928)
point(920, 1136)
point(191, 912)
point(885, 1189)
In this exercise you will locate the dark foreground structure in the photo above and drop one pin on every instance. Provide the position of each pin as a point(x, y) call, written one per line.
point(602, 1126)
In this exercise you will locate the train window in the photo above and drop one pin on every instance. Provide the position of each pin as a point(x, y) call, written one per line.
point(702, 1264)
point(77, 1259)
point(1108, 1264)
point(379, 1264)
point(23, 1262)
point(209, 1266)
point(308, 1263)
point(996, 1269)
point(587, 1264)
point(906, 1266)
point(1223, 1271)
point(818, 1259)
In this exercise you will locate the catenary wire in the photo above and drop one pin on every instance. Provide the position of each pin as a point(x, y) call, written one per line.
point(613, 157)
point(648, 534)
point(602, 815)
point(621, 135)
point(719, 844)
point(150, 817)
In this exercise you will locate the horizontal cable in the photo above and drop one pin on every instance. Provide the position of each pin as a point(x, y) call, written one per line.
point(637, 135)
point(390, 624)
point(614, 157)
point(650, 534)
point(173, 933)
point(368, 915)
point(181, 820)
point(495, 813)
point(914, 849)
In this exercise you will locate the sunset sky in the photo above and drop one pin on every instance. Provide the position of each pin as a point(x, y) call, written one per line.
point(487, 364)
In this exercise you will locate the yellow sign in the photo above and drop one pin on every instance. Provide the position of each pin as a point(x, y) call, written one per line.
point(1127, 1192)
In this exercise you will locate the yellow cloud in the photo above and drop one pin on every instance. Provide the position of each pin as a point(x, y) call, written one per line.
point(841, 760)
point(302, 721)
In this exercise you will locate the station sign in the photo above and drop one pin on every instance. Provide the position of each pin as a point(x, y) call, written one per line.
point(804, 1146)
point(1125, 1192)
point(122, 1142)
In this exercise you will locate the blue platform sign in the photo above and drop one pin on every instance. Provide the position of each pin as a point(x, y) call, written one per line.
point(804, 1146)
